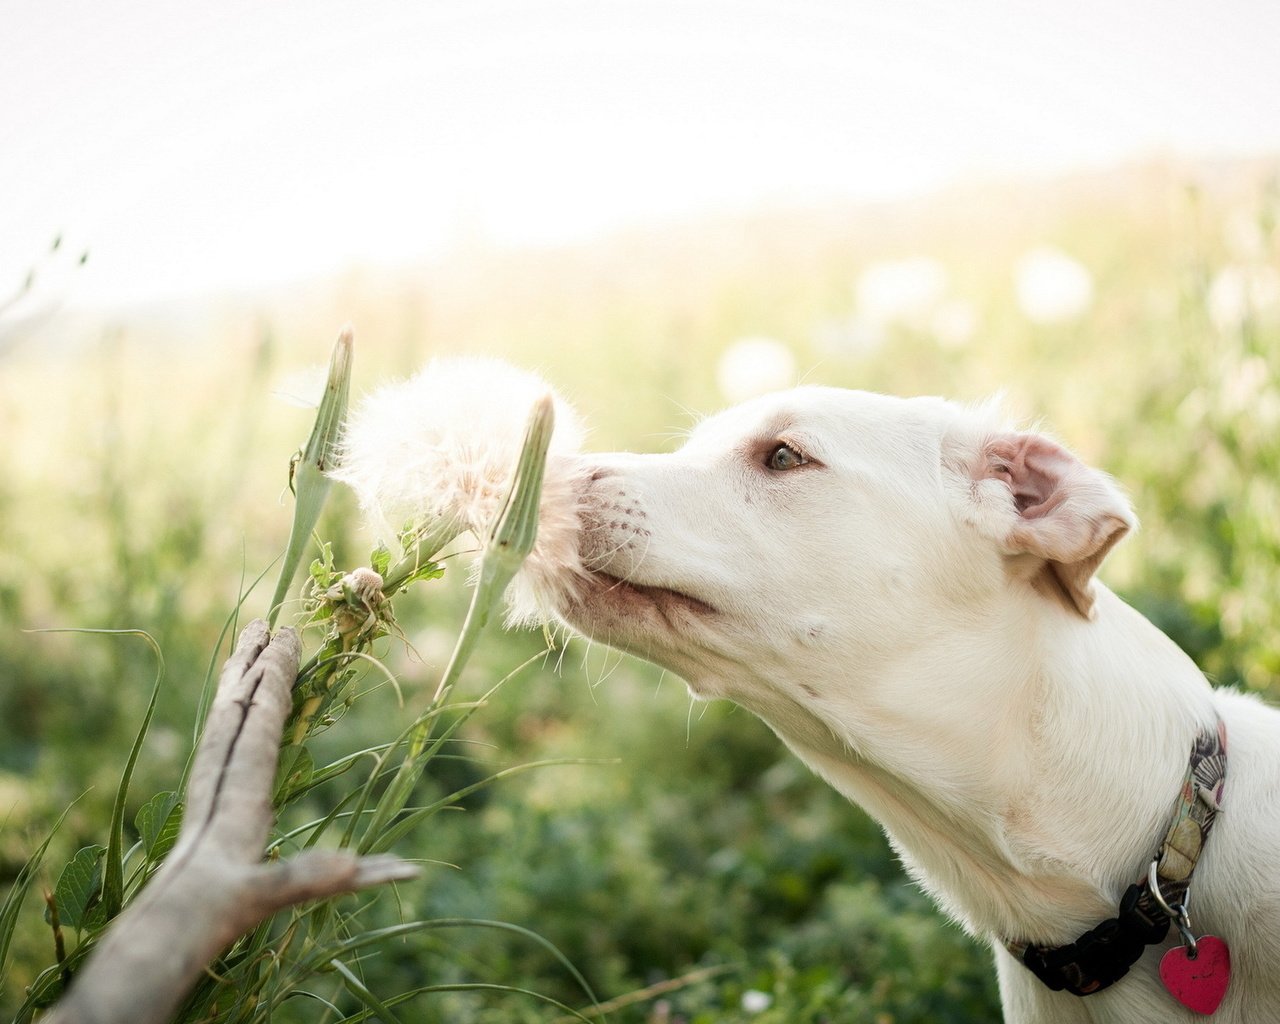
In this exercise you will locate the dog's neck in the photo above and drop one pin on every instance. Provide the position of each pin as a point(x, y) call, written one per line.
point(1032, 826)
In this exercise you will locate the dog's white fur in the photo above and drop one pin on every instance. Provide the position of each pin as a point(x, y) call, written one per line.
point(912, 610)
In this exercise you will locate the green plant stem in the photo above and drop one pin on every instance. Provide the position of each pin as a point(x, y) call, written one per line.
point(428, 546)
point(511, 538)
point(310, 480)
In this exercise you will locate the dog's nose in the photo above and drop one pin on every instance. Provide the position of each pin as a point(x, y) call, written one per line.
point(614, 529)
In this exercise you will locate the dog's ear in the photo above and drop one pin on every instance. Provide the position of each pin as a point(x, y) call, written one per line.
point(1065, 516)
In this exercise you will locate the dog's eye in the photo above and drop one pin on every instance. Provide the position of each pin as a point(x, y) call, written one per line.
point(785, 457)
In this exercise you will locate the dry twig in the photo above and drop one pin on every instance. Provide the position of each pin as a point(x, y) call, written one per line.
point(214, 886)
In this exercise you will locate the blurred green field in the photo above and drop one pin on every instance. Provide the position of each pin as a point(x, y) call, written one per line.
point(142, 483)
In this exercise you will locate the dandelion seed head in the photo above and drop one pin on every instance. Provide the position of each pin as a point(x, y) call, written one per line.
point(443, 444)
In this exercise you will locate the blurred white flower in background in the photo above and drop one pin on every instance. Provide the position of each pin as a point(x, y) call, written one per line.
point(1245, 385)
point(754, 366)
point(1051, 286)
point(954, 323)
point(851, 335)
point(1244, 235)
point(909, 293)
point(903, 291)
point(755, 1001)
point(1239, 292)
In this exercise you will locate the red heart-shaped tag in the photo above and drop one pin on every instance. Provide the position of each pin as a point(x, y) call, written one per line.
point(1201, 983)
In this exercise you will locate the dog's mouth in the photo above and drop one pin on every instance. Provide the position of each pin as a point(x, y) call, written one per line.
point(610, 606)
point(660, 597)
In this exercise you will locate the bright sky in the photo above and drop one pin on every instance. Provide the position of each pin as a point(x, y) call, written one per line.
point(193, 145)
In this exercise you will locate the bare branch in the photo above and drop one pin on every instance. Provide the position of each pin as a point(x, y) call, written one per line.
point(215, 886)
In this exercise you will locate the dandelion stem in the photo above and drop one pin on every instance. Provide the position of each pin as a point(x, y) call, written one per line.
point(510, 539)
point(429, 543)
point(310, 480)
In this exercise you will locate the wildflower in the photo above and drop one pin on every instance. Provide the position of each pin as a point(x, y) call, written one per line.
point(443, 444)
point(359, 606)
point(1052, 287)
point(754, 366)
point(442, 447)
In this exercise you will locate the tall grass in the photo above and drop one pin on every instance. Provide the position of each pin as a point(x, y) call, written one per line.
point(315, 952)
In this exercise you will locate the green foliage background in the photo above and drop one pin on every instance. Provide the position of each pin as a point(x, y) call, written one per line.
point(144, 457)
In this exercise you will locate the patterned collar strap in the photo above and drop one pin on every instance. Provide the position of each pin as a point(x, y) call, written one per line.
point(1103, 955)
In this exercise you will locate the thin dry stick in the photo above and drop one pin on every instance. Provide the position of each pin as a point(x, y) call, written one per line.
point(214, 886)
point(643, 995)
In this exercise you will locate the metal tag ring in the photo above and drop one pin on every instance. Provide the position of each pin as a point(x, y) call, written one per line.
point(1178, 911)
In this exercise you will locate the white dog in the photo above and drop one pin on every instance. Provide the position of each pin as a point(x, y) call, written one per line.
point(903, 590)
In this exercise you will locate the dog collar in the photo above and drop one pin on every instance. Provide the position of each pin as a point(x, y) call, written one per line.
point(1103, 955)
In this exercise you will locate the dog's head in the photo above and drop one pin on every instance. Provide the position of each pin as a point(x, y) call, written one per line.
point(820, 528)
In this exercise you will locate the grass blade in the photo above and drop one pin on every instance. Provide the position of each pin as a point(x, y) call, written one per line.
point(398, 930)
point(392, 834)
point(113, 868)
point(357, 988)
point(475, 986)
point(17, 892)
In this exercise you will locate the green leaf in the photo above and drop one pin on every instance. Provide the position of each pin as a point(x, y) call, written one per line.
point(79, 888)
point(426, 571)
point(380, 560)
point(409, 532)
point(295, 769)
point(323, 613)
point(158, 822)
point(322, 571)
